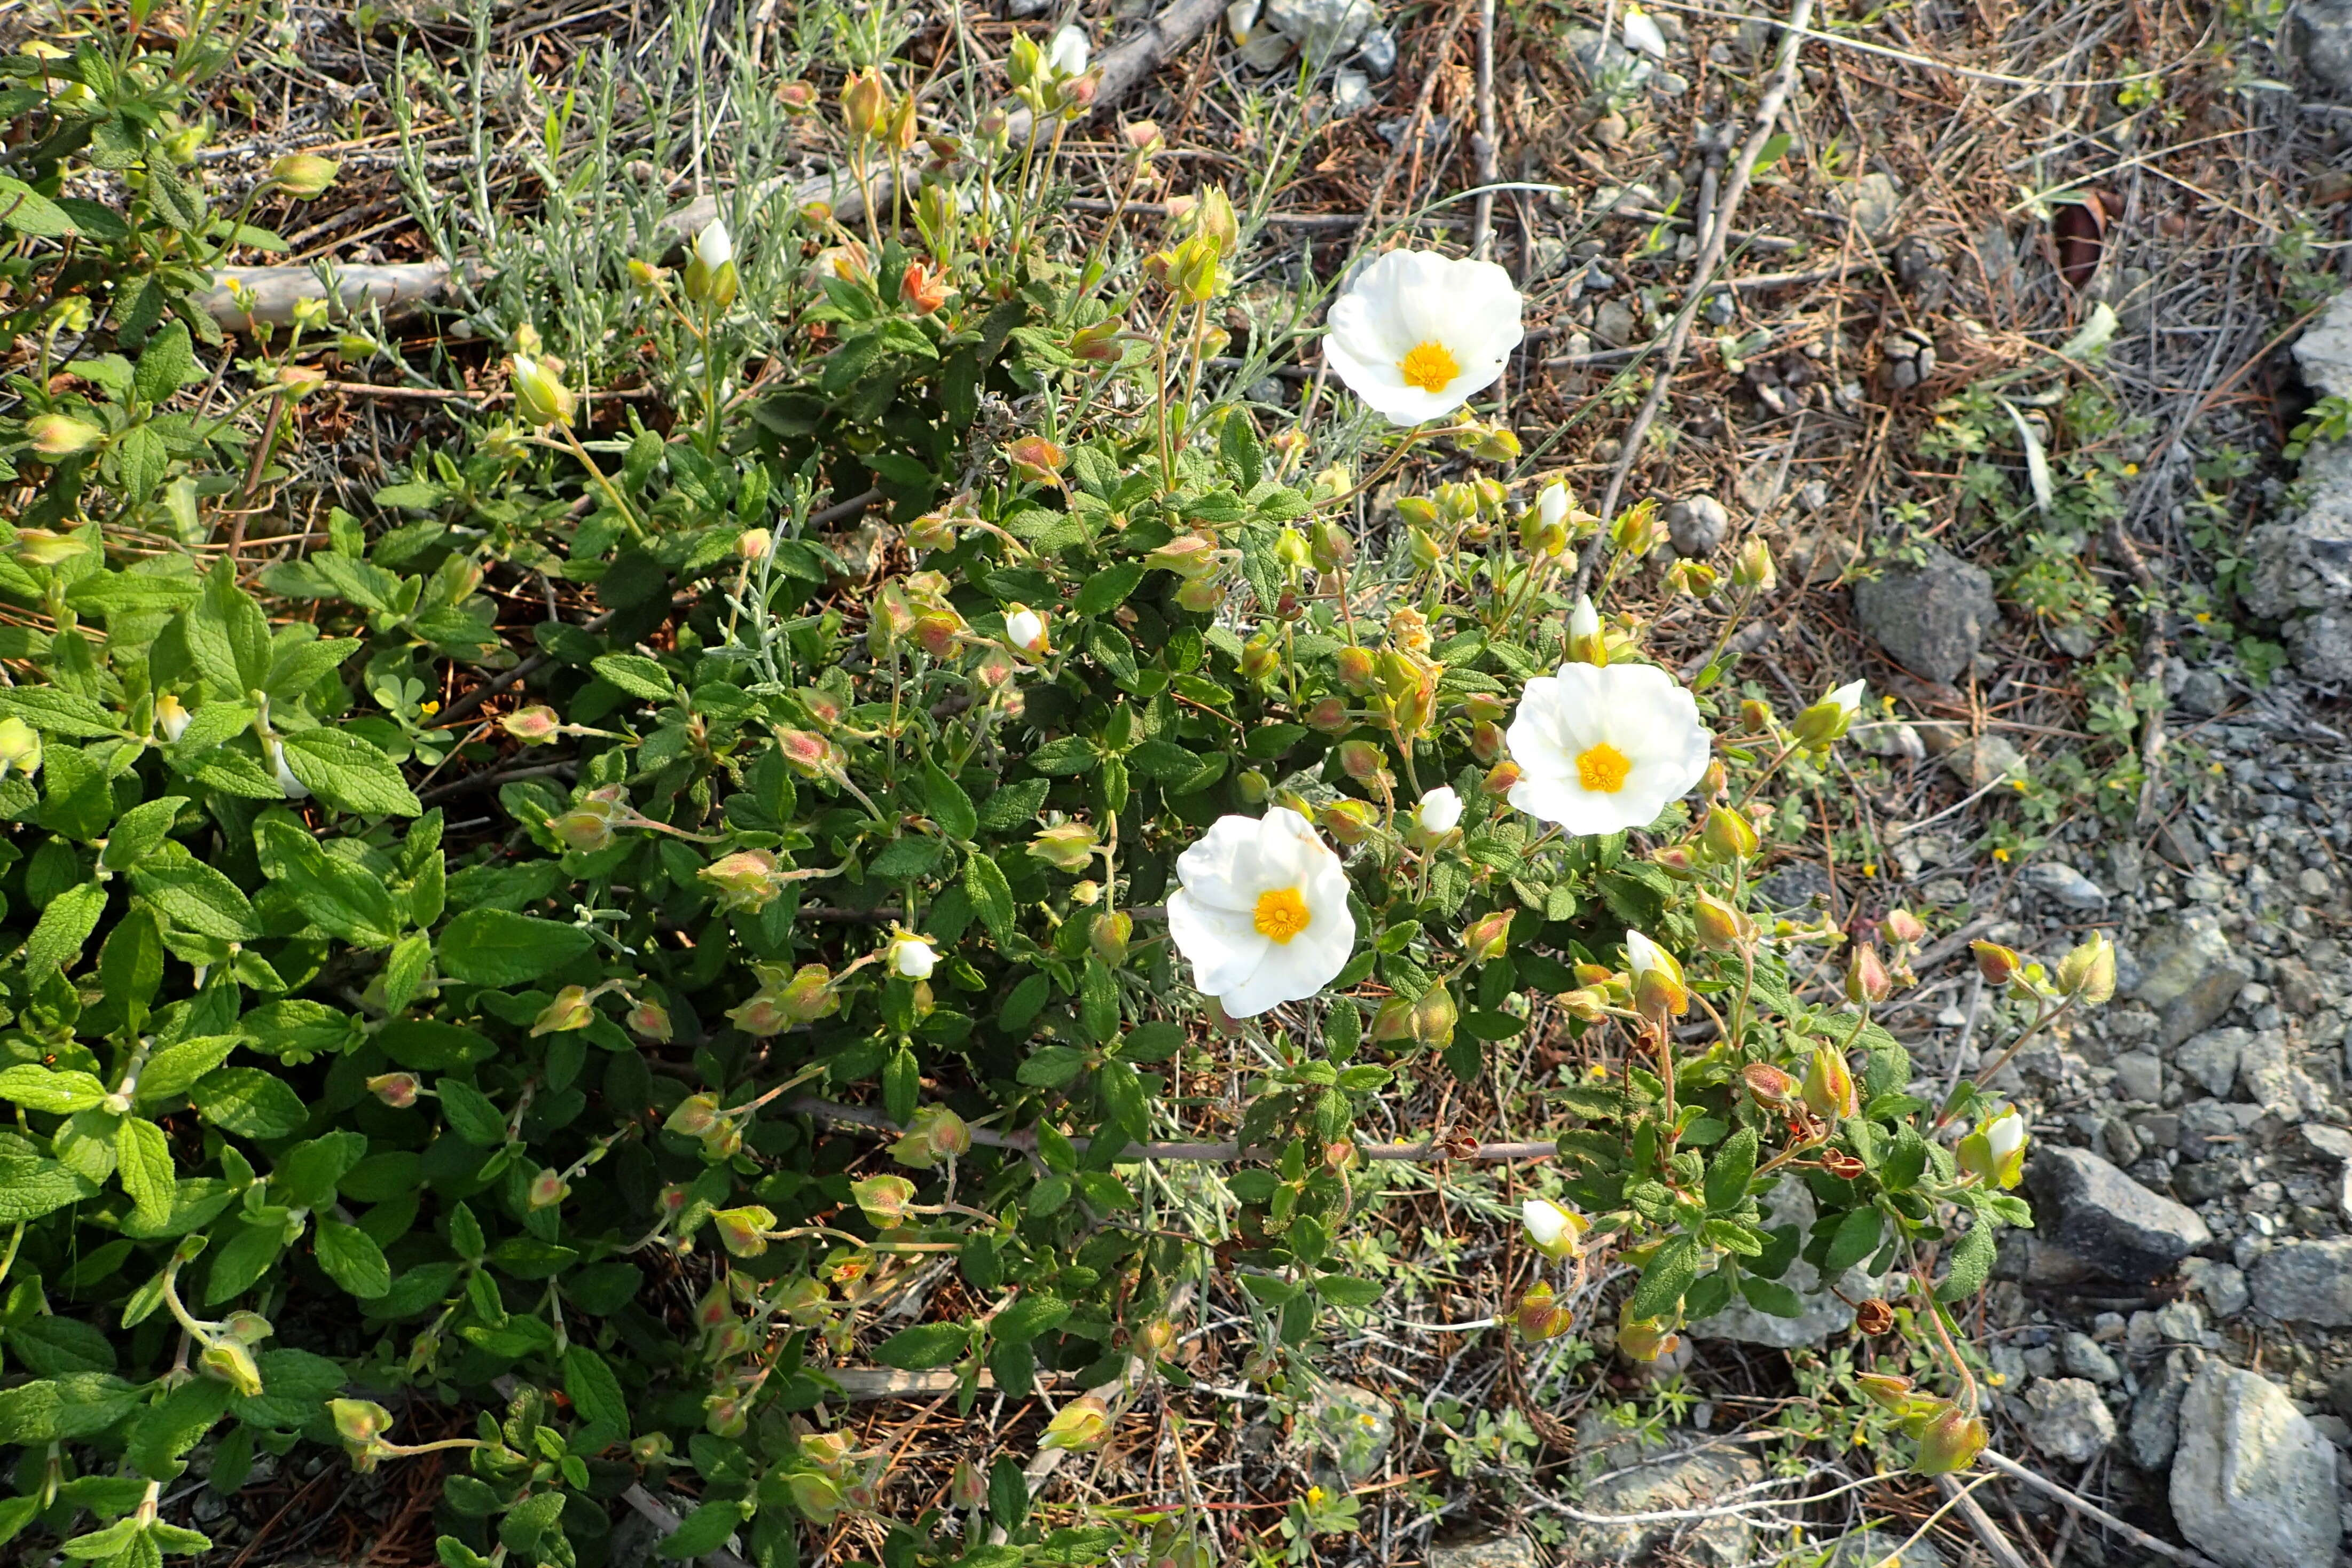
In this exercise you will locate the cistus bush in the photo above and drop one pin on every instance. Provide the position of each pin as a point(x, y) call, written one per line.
point(823, 920)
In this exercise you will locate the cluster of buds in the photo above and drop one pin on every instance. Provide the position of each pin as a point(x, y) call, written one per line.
point(936, 1133)
point(1052, 78)
point(1949, 1438)
point(783, 1000)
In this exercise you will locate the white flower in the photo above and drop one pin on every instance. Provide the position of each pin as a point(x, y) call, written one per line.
point(1555, 1231)
point(1583, 622)
point(1417, 334)
point(1068, 53)
point(714, 247)
point(2005, 1135)
point(1643, 956)
point(1024, 628)
point(1848, 697)
point(172, 718)
point(1439, 811)
point(1640, 33)
point(1601, 749)
point(1263, 912)
point(913, 957)
point(1552, 505)
point(289, 785)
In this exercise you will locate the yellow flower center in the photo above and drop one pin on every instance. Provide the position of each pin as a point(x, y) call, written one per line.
point(1281, 915)
point(1428, 366)
point(1602, 768)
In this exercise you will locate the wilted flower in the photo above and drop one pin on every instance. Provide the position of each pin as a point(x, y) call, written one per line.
point(1109, 934)
point(755, 544)
point(303, 175)
point(1417, 334)
point(1767, 1085)
point(1603, 749)
point(864, 102)
point(808, 996)
point(809, 754)
point(1753, 568)
point(61, 436)
point(1722, 927)
point(745, 881)
point(1262, 913)
point(1554, 1230)
point(1643, 1339)
point(1728, 835)
point(1435, 1013)
point(1829, 1084)
point(921, 290)
point(2088, 972)
point(1488, 936)
point(1903, 926)
point(936, 1133)
point(586, 828)
point(1998, 964)
point(912, 957)
point(815, 1497)
point(1539, 1315)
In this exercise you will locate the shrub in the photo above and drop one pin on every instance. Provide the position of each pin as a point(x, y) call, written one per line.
point(341, 1122)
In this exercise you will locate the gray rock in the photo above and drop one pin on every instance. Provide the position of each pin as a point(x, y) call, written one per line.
point(2306, 1282)
point(1351, 93)
point(2324, 352)
point(2204, 693)
point(1603, 62)
point(1874, 201)
point(1869, 1548)
point(2302, 565)
point(1697, 525)
point(2321, 644)
point(1377, 52)
point(2114, 1225)
point(1930, 618)
point(2253, 1484)
point(2083, 1356)
point(1324, 28)
point(2139, 1075)
point(2065, 884)
point(1514, 1551)
point(2211, 1058)
point(2156, 1413)
point(1825, 1311)
point(1616, 324)
point(1983, 760)
point(2190, 973)
point(2328, 1142)
point(1626, 1474)
point(2224, 1285)
point(2067, 1419)
point(2269, 1075)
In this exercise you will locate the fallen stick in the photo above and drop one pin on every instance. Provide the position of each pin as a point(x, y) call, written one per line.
point(2092, 1511)
point(243, 297)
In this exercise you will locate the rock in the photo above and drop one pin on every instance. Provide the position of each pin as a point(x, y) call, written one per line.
point(2328, 1142)
point(2302, 565)
point(2156, 1413)
point(1615, 324)
point(1874, 201)
point(1627, 1474)
point(2065, 884)
point(2083, 1356)
point(2112, 1222)
point(2306, 1282)
point(2139, 1075)
point(2224, 1285)
point(2269, 1075)
point(2068, 1420)
point(1869, 1548)
point(2253, 1484)
point(1377, 52)
point(1825, 1311)
point(1324, 28)
point(2211, 1058)
point(1603, 62)
point(1499, 1552)
point(1351, 93)
point(2204, 693)
point(2190, 973)
point(2321, 644)
point(1928, 619)
point(1984, 760)
point(1697, 525)
point(2324, 352)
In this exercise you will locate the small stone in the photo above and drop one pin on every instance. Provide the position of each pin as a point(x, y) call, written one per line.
point(1324, 28)
point(2306, 1282)
point(2190, 973)
point(1985, 760)
point(2156, 1410)
point(1628, 1474)
point(2140, 1077)
point(1377, 52)
point(1873, 200)
point(1929, 617)
point(1514, 1551)
point(2328, 1142)
point(2068, 1420)
point(1615, 323)
point(1608, 62)
point(2109, 1221)
point(1697, 525)
point(2211, 1058)
point(2063, 884)
point(2082, 1356)
point(2253, 1484)
point(1351, 93)
point(2204, 694)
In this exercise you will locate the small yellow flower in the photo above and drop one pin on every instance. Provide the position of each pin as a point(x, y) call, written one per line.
point(2001, 855)
point(2130, 469)
point(428, 708)
point(2204, 618)
point(2017, 785)
point(1870, 867)
point(1314, 1497)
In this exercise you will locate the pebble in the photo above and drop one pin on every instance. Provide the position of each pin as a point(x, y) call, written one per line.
point(2068, 1418)
point(2065, 884)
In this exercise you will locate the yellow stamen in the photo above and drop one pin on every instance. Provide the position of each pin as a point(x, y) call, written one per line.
point(1281, 915)
point(1602, 768)
point(1429, 366)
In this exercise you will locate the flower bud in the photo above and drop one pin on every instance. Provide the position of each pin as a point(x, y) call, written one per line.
point(1643, 1339)
point(20, 748)
point(651, 1448)
point(60, 436)
point(548, 1188)
point(967, 1487)
point(570, 1010)
point(912, 957)
point(696, 1115)
point(743, 1231)
point(1753, 569)
point(1728, 835)
point(1501, 779)
point(1066, 846)
point(1903, 926)
point(2088, 972)
point(1434, 1015)
point(536, 725)
point(1827, 720)
point(864, 103)
point(1586, 642)
point(540, 395)
point(303, 175)
point(1361, 761)
point(1109, 934)
point(650, 1020)
point(1253, 786)
point(234, 1364)
point(1488, 936)
point(1755, 716)
point(1036, 459)
point(1998, 964)
point(1767, 1085)
point(1439, 813)
point(883, 1200)
point(1866, 980)
point(710, 275)
point(809, 754)
point(815, 1497)
point(1951, 1442)
point(1553, 1229)
point(1721, 928)
point(1995, 1152)
point(1024, 628)
point(1658, 986)
point(1329, 716)
point(808, 996)
point(1829, 1084)
point(745, 881)
point(1394, 1021)
point(1348, 821)
point(1080, 1425)
point(1538, 1315)
point(397, 1090)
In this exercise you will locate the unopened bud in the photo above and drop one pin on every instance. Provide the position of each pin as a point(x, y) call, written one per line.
point(1767, 1085)
point(1066, 846)
point(1434, 1015)
point(650, 1020)
point(2088, 972)
point(1722, 928)
point(540, 395)
point(1035, 458)
point(1109, 934)
point(570, 1010)
point(744, 1231)
point(1080, 1425)
point(536, 725)
point(1866, 980)
point(1488, 937)
point(1951, 1442)
point(883, 1200)
point(1903, 926)
point(397, 1090)
point(1829, 1084)
point(303, 175)
point(586, 828)
point(696, 1115)
point(1998, 964)
point(57, 435)
point(1501, 779)
point(745, 881)
point(1728, 835)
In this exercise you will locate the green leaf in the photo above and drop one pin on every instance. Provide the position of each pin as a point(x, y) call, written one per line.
point(336, 895)
point(55, 712)
point(1669, 1273)
point(139, 832)
point(470, 1114)
point(1857, 1237)
point(352, 1259)
point(1972, 1257)
point(703, 1532)
point(1164, 759)
point(248, 1102)
point(166, 364)
point(990, 895)
point(923, 1346)
point(60, 1093)
point(175, 1067)
point(639, 675)
point(1107, 590)
point(1349, 1290)
point(348, 773)
point(595, 1393)
point(194, 896)
point(142, 1161)
point(497, 947)
point(949, 807)
point(1771, 1298)
point(1729, 1173)
point(56, 942)
point(1046, 1066)
point(26, 211)
point(228, 637)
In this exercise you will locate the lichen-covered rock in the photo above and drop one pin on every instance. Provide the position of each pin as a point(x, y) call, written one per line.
point(1929, 617)
point(2253, 1483)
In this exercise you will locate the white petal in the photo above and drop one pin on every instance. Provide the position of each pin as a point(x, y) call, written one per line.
point(1224, 946)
